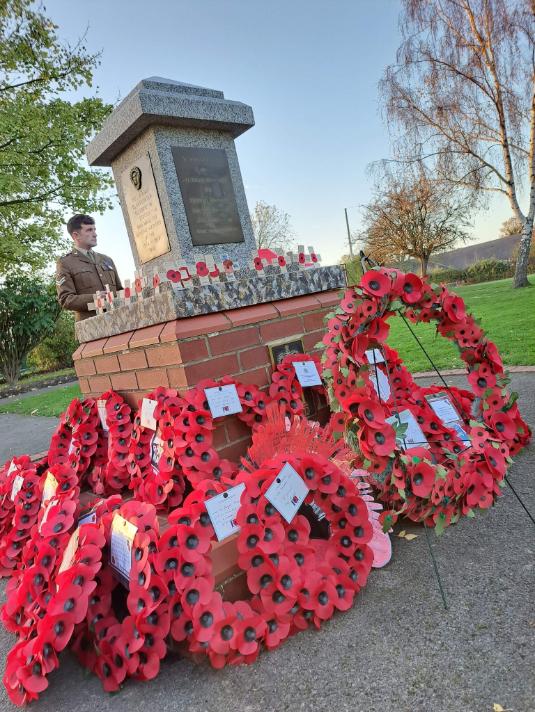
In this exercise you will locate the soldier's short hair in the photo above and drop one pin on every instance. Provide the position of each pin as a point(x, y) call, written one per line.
point(76, 222)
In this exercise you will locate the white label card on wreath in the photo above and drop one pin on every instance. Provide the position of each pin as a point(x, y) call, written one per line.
point(461, 433)
point(156, 451)
point(12, 467)
point(375, 356)
point(307, 373)
point(17, 486)
point(147, 414)
point(380, 383)
point(50, 487)
point(101, 405)
point(70, 551)
point(222, 510)
point(443, 408)
point(51, 503)
point(223, 400)
point(287, 492)
point(122, 541)
point(413, 436)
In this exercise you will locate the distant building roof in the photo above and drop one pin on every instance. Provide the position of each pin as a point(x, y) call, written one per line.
point(463, 257)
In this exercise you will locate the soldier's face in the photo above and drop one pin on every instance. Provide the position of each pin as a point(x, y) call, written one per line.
point(86, 237)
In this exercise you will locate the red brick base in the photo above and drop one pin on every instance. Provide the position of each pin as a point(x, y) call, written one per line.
point(182, 352)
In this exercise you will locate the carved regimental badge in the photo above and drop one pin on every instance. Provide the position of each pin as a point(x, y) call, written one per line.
point(135, 177)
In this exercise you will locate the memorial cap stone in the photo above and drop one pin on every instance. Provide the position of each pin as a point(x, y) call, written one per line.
point(171, 148)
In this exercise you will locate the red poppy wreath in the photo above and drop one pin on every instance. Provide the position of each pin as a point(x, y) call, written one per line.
point(447, 474)
point(293, 580)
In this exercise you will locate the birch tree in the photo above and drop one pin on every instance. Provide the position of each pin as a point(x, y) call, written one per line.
point(461, 97)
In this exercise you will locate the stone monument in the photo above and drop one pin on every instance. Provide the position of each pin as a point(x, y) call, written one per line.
point(171, 149)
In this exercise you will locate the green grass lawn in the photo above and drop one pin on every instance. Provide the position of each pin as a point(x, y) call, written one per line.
point(52, 402)
point(507, 315)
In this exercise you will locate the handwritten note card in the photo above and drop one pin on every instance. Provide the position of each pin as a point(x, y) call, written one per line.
point(223, 400)
point(307, 373)
point(222, 510)
point(287, 492)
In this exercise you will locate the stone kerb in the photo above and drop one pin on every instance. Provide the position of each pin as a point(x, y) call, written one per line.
point(181, 352)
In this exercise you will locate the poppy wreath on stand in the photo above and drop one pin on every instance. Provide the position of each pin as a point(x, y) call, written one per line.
point(285, 387)
point(109, 471)
point(114, 647)
point(410, 483)
point(195, 426)
point(293, 580)
point(155, 474)
point(21, 499)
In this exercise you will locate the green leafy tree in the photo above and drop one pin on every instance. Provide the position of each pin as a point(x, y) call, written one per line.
point(55, 351)
point(28, 313)
point(42, 137)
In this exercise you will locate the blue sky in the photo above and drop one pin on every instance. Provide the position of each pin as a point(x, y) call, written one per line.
point(310, 71)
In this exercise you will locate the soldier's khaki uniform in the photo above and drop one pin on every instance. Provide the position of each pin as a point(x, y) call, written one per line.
point(78, 278)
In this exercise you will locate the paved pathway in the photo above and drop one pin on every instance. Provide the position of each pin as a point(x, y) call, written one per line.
point(397, 650)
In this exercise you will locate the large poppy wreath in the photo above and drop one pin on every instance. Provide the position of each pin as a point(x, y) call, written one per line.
point(435, 484)
point(293, 579)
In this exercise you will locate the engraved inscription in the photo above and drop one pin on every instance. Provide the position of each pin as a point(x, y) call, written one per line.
point(208, 195)
point(144, 210)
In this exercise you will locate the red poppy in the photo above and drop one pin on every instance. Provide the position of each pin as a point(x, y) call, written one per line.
point(250, 633)
point(422, 477)
point(375, 283)
point(411, 290)
point(201, 269)
point(205, 616)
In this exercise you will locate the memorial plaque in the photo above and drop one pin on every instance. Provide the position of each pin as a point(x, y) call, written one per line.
point(278, 350)
point(144, 210)
point(208, 195)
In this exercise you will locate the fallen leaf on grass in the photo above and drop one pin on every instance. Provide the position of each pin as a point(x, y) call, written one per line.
point(496, 707)
point(402, 534)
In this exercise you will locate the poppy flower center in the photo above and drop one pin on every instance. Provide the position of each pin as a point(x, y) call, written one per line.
point(408, 288)
point(252, 541)
point(323, 598)
point(249, 634)
point(286, 582)
point(482, 382)
point(379, 438)
point(207, 619)
point(227, 632)
point(192, 542)
point(257, 560)
point(418, 479)
point(374, 284)
point(69, 605)
point(299, 559)
point(192, 597)
point(265, 580)
point(187, 570)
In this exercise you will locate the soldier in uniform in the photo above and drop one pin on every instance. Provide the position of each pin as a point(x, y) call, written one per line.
point(83, 272)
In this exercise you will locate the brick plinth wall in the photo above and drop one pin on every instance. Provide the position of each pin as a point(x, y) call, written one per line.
point(180, 353)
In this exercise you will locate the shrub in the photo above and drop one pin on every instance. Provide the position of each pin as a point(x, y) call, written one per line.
point(55, 351)
point(488, 270)
point(448, 275)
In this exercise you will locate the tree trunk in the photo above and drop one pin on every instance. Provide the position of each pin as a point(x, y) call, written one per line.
point(11, 372)
point(424, 261)
point(521, 270)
